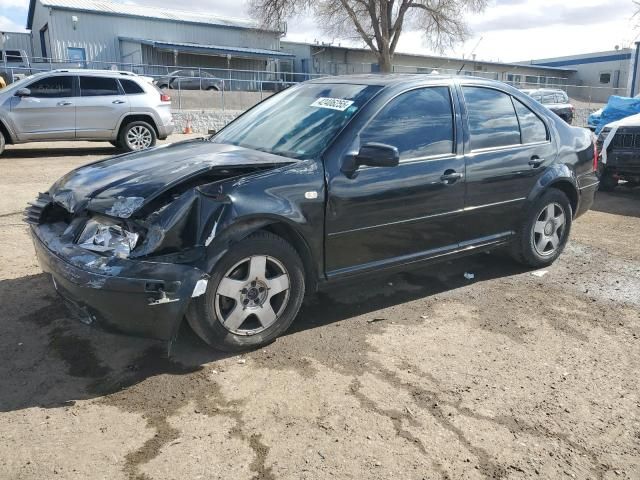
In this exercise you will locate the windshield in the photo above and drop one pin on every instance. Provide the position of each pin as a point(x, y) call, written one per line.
point(299, 122)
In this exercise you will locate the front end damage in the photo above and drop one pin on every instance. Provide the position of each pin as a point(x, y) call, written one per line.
point(133, 264)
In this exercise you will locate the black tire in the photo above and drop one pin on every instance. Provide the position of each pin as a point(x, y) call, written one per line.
point(526, 248)
point(163, 87)
point(133, 127)
point(203, 313)
point(116, 144)
point(607, 182)
point(2, 143)
point(213, 89)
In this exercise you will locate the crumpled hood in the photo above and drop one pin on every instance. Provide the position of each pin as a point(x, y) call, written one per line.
point(121, 185)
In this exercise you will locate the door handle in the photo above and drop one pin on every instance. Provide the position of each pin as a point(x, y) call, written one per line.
point(118, 102)
point(535, 162)
point(450, 177)
point(64, 104)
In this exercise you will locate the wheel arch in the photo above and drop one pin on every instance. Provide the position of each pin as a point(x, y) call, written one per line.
point(559, 177)
point(8, 138)
point(279, 226)
point(570, 190)
point(137, 117)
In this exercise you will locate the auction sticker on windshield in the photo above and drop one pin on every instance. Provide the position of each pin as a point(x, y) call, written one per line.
point(332, 103)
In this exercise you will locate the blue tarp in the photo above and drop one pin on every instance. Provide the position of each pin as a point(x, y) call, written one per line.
point(616, 109)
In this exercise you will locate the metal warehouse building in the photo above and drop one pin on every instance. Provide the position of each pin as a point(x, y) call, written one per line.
point(101, 32)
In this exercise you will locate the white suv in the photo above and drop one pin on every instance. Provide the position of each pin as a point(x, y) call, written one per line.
point(119, 107)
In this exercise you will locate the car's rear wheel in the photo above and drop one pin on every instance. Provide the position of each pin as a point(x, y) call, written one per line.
point(254, 294)
point(545, 232)
point(212, 89)
point(2, 143)
point(136, 136)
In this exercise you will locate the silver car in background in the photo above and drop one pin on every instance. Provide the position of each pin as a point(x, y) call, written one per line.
point(191, 79)
point(119, 107)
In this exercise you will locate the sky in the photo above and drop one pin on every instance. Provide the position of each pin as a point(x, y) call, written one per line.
point(508, 30)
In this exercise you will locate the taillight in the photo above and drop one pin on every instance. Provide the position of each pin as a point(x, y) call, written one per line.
point(595, 157)
point(164, 97)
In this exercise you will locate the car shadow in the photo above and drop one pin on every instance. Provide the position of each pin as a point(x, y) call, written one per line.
point(48, 359)
point(40, 153)
point(623, 200)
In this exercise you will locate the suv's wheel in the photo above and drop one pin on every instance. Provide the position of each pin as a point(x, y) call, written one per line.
point(546, 231)
point(2, 143)
point(254, 294)
point(116, 144)
point(136, 136)
point(607, 182)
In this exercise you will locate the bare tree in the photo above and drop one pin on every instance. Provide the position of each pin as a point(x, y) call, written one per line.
point(379, 23)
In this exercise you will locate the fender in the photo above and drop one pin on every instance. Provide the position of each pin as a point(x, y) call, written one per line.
point(13, 138)
point(134, 114)
point(556, 175)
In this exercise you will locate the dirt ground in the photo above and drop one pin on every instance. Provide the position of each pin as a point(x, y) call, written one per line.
point(420, 375)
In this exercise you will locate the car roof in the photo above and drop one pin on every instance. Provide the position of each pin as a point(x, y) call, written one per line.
point(83, 71)
point(382, 79)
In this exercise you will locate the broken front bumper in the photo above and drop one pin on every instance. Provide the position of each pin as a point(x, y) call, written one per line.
point(131, 296)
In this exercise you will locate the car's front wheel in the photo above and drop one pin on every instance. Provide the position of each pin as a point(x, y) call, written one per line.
point(136, 136)
point(546, 230)
point(254, 294)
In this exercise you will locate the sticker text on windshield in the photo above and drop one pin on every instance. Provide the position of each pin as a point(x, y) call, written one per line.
point(332, 103)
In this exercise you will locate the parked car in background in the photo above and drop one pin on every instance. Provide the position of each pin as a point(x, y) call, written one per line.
point(555, 100)
point(118, 107)
point(16, 64)
point(616, 109)
point(326, 181)
point(190, 80)
point(619, 147)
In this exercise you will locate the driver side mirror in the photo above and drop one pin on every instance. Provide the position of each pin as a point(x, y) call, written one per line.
point(23, 92)
point(372, 155)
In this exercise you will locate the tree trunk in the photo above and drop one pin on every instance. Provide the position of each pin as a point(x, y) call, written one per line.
point(384, 61)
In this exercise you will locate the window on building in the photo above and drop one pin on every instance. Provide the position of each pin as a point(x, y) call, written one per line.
point(14, 56)
point(418, 123)
point(98, 86)
point(76, 54)
point(130, 87)
point(532, 129)
point(492, 118)
point(605, 78)
point(52, 87)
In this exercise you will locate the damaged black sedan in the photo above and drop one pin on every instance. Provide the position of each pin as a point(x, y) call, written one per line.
point(328, 180)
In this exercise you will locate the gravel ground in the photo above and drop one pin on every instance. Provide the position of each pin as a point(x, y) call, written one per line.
point(420, 375)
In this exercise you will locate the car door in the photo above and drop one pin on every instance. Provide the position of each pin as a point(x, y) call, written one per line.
point(507, 152)
point(100, 107)
point(48, 112)
point(392, 215)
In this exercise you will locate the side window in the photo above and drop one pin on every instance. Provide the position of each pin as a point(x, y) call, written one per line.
point(98, 86)
point(418, 123)
point(130, 87)
point(52, 87)
point(492, 118)
point(531, 127)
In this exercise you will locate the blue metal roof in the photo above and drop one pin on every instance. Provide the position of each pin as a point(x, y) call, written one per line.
point(584, 60)
point(211, 49)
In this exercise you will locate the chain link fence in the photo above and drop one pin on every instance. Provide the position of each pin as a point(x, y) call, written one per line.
point(235, 90)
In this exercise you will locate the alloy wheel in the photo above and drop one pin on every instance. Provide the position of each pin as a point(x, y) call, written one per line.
point(252, 295)
point(139, 138)
point(549, 229)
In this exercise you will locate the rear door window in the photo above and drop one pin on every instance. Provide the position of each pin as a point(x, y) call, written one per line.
point(52, 87)
point(492, 118)
point(418, 123)
point(130, 87)
point(98, 86)
point(533, 130)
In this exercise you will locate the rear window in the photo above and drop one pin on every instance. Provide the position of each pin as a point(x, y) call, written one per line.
point(532, 128)
point(98, 86)
point(130, 87)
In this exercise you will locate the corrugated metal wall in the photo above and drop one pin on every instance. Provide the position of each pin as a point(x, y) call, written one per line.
point(18, 41)
point(99, 34)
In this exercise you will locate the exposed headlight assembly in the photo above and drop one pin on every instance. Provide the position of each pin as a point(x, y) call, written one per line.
point(102, 236)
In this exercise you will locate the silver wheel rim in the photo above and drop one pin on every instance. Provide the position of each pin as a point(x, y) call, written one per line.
point(139, 138)
point(548, 229)
point(252, 295)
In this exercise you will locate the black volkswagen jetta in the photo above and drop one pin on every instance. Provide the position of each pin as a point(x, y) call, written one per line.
point(330, 179)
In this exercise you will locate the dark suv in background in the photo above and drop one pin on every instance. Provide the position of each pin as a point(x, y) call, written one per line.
point(555, 100)
point(326, 181)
